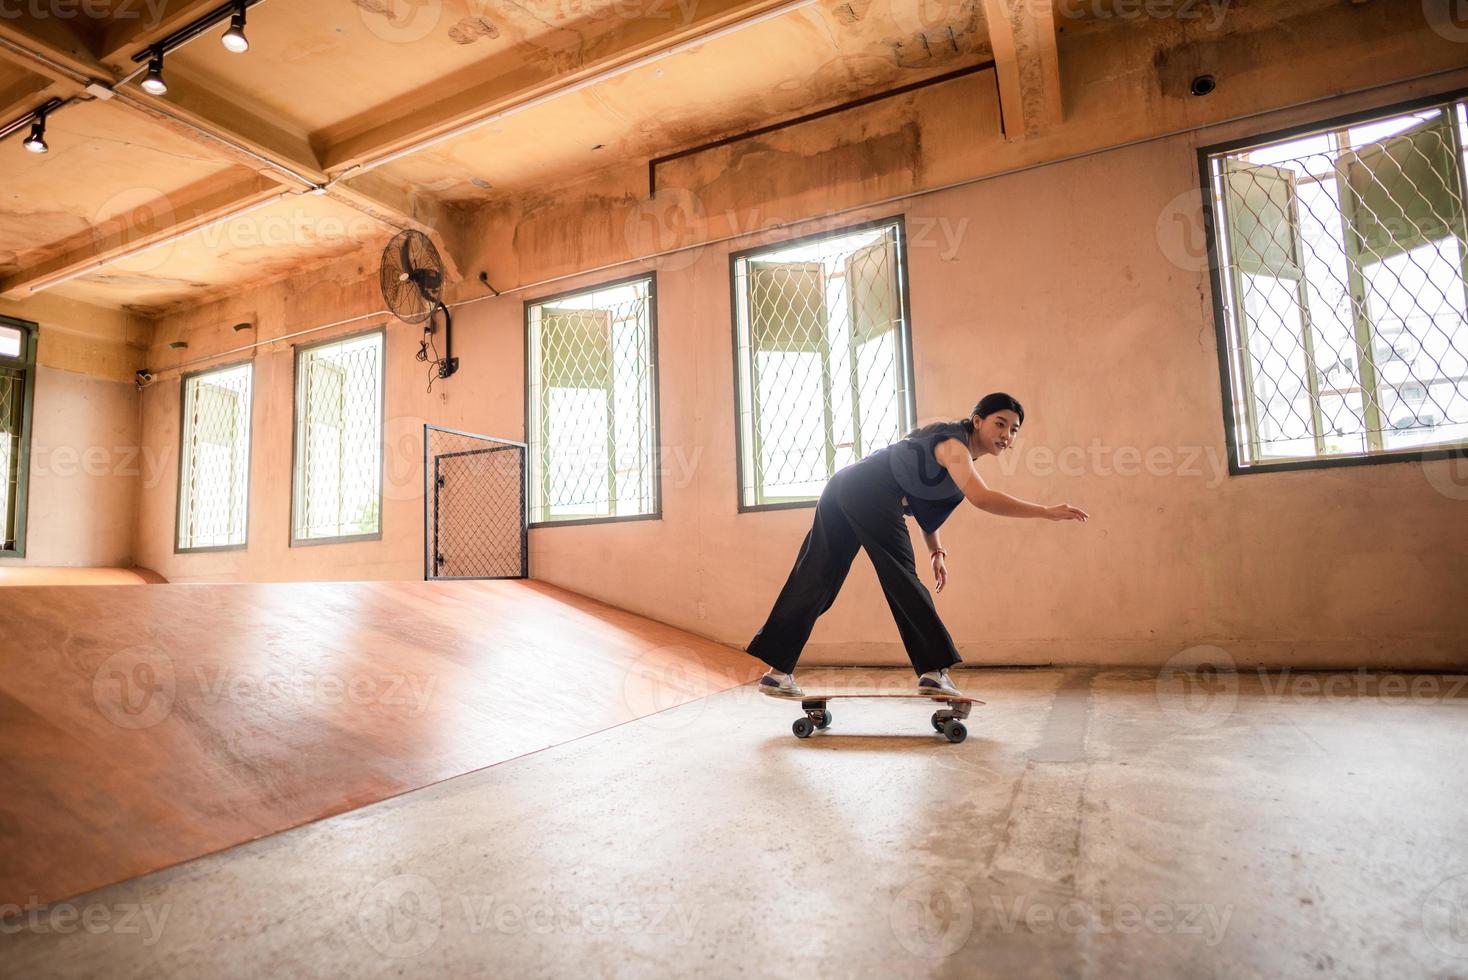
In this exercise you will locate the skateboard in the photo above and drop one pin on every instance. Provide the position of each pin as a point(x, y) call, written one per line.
point(947, 721)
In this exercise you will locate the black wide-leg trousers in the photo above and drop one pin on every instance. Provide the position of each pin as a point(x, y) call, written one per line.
point(861, 507)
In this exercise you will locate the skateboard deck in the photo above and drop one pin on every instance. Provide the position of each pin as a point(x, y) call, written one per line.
point(946, 721)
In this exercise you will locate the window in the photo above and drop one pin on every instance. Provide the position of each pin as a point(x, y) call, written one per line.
point(823, 359)
point(17, 387)
point(1340, 259)
point(337, 480)
point(591, 409)
point(214, 459)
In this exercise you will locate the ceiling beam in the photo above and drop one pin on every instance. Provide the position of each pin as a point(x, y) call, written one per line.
point(152, 21)
point(363, 143)
point(24, 96)
point(48, 46)
point(1022, 34)
point(396, 208)
point(282, 159)
point(125, 235)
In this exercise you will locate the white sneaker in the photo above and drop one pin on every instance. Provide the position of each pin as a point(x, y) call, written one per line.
point(779, 685)
point(937, 682)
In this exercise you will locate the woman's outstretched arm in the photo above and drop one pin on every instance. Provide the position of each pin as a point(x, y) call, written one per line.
point(954, 456)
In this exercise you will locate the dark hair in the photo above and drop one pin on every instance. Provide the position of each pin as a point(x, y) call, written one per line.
point(996, 401)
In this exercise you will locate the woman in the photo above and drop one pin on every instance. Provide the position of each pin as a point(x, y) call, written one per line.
point(925, 475)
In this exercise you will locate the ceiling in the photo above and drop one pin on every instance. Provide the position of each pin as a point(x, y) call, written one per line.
point(393, 109)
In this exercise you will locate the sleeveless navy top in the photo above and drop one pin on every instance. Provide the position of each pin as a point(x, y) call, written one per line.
point(931, 493)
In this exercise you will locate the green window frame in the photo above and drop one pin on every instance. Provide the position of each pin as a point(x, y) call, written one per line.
point(337, 452)
point(823, 369)
point(215, 408)
point(17, 403)
point(591, 405)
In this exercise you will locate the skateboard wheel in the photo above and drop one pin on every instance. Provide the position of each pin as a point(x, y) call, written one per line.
point(825, 721)
point(954, 731)
point(937, 722)
point(802, 728)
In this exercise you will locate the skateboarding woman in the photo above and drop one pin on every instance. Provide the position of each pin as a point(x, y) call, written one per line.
point(925, 475)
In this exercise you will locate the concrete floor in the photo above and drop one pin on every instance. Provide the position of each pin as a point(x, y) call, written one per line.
point(1094, 824)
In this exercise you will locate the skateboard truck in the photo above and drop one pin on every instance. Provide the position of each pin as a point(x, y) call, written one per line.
point(947, 721)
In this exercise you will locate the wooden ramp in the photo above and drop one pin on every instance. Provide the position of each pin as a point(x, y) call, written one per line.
point(147, 725)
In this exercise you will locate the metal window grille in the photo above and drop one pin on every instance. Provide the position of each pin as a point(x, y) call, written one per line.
point(338, 452)
point(17, 383)
point(474, 506)
point(823, 360)
point(214, 459)
point(1342, 257)
point(591, 412)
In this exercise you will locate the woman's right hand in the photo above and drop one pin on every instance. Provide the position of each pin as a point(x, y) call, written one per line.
point(1065, 512)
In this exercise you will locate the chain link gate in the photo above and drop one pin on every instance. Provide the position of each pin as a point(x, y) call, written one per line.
point(474, 514)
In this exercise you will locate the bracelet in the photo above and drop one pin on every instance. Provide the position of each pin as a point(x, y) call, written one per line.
point(940, 551)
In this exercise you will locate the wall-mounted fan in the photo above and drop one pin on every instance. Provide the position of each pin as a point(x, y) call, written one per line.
point(412, 280)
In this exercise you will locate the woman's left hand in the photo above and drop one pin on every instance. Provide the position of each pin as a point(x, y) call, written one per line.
point(940, 571)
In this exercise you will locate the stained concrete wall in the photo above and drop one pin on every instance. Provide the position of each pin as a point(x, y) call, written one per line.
point(1080, 287)
point(86, 467)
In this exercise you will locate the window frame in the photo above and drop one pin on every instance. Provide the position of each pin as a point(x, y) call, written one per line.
point(297, 352)
point(26, 365)
point(249, 458)
point(1216, 273)
point(905, 364)
point(655, 378)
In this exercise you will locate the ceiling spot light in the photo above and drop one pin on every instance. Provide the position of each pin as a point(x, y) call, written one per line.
point(153, 82)
point(1203, 85)
point(36, 142)
point(234, 39)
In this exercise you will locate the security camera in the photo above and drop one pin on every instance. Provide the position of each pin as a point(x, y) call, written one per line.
point(145, 378)
point(1203, 85)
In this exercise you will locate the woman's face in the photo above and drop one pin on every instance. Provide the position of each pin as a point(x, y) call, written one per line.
point(996, 433)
